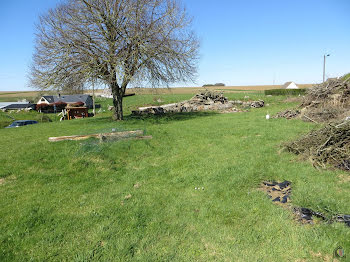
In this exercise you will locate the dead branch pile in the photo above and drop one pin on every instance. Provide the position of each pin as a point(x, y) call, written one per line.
point(329, 145)
point(288, 114)
point(326, 102)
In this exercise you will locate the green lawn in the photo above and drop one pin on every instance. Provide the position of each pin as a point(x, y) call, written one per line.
point(77, 200)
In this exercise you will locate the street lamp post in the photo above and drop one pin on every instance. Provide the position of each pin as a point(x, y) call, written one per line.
point(324, 67)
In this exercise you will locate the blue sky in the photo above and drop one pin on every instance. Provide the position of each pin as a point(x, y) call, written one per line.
point(243, 42)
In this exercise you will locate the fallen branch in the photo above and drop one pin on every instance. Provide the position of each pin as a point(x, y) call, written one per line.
point(310, 119)
point(115, 135)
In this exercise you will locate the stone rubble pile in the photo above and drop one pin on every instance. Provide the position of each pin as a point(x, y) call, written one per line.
point(256, 104)
point(200, 102)
point(209, 98)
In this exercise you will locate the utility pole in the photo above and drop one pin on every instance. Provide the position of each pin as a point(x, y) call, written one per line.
point(324, 67)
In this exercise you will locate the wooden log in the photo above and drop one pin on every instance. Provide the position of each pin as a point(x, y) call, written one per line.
point(116, 135)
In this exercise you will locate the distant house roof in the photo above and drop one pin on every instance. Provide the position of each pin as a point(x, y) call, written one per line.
point(290, 85)
point(20, 106)
point(286, 84)
point(15, 105)
point(49, 99)
point(69, 99)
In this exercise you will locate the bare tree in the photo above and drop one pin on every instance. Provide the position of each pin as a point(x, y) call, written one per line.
point(114, 42)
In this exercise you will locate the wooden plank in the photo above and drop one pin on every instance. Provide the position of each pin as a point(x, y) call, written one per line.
point(121, 135)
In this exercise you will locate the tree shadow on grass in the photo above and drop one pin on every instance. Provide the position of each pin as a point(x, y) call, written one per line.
point(169, 117)
point(150, 119)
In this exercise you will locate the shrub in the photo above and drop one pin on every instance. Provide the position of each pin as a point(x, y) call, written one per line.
point(42, 107)
point(285, 92)
point(5, 120)
point(43, 118)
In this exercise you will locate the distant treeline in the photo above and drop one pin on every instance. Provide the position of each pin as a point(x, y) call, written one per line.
point(217, 84)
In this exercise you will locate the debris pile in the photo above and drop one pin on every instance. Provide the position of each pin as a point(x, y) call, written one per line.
point(280, 194)
point(288, 114)
point(209, 97)
point(256, 104)
point(203, 101)
point(305, 215)
point(326, 102)
point(329, 145)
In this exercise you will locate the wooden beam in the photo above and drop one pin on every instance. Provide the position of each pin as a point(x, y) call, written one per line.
point(115, 135)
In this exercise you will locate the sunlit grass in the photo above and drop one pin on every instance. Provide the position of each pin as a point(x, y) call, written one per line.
point(136, 200)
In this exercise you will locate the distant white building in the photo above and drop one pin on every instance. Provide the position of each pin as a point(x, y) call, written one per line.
point(107, 93)
point(290, 85)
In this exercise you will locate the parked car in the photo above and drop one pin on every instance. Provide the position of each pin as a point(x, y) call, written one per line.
point(19, 123)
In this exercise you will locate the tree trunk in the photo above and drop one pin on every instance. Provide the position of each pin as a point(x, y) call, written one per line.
point(117, 102)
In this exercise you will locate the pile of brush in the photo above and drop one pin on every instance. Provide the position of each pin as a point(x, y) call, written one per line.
point(328, 146)
point(288, 114)
point(329, 101)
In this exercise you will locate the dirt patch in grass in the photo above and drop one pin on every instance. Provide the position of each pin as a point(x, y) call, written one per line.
point(278, 192)
point(344, 178)
point(7, 180)
point(321, 257)
point(137, 185)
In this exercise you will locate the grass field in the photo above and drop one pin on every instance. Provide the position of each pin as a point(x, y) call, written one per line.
point(136, 200)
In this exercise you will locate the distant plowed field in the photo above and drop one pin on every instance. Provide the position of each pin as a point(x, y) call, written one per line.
point(192, 90)
point(18, 93)
point(158, 91)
